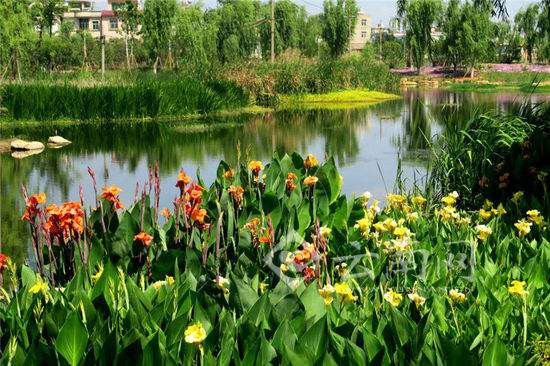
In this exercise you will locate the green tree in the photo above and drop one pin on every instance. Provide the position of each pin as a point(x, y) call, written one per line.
point(451, 28)
point(543, 25)
point(421, 16)
point(130, 16)
point(526, 21)
point(46, 13)
point(16, 36)
point(290, 19)
point(237, 38)
point(195, 39)
point(475, 36)
point(337, 23)
point(157, 22)
point(310, 36)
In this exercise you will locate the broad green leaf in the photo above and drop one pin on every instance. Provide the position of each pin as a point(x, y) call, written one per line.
point(72, 339)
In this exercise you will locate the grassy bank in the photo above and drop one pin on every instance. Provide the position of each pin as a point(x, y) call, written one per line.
point(178, 97)
point(343, 99)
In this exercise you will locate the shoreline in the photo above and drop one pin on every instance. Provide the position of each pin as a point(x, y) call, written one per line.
point(350, 98)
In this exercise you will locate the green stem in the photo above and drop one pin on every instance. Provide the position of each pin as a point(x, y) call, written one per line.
point(524, 321)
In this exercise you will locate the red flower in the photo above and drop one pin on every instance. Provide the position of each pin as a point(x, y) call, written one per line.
point(31, 206)
point(198, 215)
point(3, 262)
point(308, 273)
point(144, 238)
point(111, 194)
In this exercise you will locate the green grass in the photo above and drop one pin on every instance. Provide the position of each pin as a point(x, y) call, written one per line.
point(148, 99)
point(336, 100)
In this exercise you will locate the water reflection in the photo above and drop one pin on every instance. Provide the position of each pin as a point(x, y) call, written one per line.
point(366, 143)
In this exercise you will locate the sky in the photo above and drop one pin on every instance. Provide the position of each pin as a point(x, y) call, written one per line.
point(381, 11)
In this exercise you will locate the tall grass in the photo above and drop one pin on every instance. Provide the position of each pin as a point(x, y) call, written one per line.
point(494, 155)
point(44, 101)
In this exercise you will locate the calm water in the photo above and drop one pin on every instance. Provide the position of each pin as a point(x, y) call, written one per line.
point(366, 143)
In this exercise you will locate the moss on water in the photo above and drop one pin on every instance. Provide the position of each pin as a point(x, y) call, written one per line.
point(338, 98)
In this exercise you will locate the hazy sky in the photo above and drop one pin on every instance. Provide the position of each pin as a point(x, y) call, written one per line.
point(379, 10)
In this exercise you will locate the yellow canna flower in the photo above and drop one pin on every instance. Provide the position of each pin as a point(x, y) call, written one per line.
point(169, 280)
point(195, 333)
point(263, 286)
point(325, 232)
point(500, 210)
point(395, 200)
point(326, 293)
point(39, 286)
point(484, 214)
point(516, 197)
point(417, 299)
point(518, 289)
point(345, 292)
point(222, 283)
point(311, 181)
point(157, 285)
point(310, 162)
point(255, 166)
point(284, 268)
point(97, 275)
point(401, 232)
point(450, 199)
point(393, 298)
point(418, 200)
point(483, 232)
point(457, 296)
point(524, 227)
point(413, 216)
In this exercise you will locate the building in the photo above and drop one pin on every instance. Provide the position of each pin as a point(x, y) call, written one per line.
point(362, 32)
point(97, 22)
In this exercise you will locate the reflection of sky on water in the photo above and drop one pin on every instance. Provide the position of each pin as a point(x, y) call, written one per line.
point(365, 143)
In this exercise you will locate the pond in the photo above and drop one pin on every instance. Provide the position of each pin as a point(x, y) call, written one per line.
point(372, 147)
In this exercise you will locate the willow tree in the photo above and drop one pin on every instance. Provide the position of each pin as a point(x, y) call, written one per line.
point(16, 36)
point(337, 24)
point(157, 23)
point(130, 16)
point(526, 21)
point(475, 36)
point(421, 16)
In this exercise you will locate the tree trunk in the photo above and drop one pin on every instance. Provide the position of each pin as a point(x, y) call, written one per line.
point(127, 52)
point(155, 65)
point(472, 72)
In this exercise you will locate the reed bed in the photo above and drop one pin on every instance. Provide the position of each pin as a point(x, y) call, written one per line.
point(44, 102)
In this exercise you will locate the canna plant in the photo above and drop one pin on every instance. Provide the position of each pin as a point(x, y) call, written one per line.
point(273, 264)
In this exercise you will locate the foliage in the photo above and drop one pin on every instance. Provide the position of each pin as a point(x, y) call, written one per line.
point(337, 23)
point(157, 22)
point(148, 98)
point(421, 15)
point(46, 13)
point(393, 54)
point(526, 21)
point(474, 38)
point(290, 21)
point(286, 270)
point(490, 156)
point(236, 37)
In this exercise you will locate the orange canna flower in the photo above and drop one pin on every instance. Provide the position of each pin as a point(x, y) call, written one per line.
point(255, 166)
point(198, 215)
point(144, 238)
point(166, 213)
point(290, 179)
point(229, 174)
point(194, 193)
point(31, 208)
point(183, 180)
point(311, 181)
point(237, 193)
point(111, 194)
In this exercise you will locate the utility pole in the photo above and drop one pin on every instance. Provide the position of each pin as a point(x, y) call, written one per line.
point(272, 30)
point(102, 58)
point(380, 40)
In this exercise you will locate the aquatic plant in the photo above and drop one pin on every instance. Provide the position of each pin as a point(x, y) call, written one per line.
point(271, 263)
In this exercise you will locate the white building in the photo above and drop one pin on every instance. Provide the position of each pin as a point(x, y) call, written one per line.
point(97, 22)
point(362, 32)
